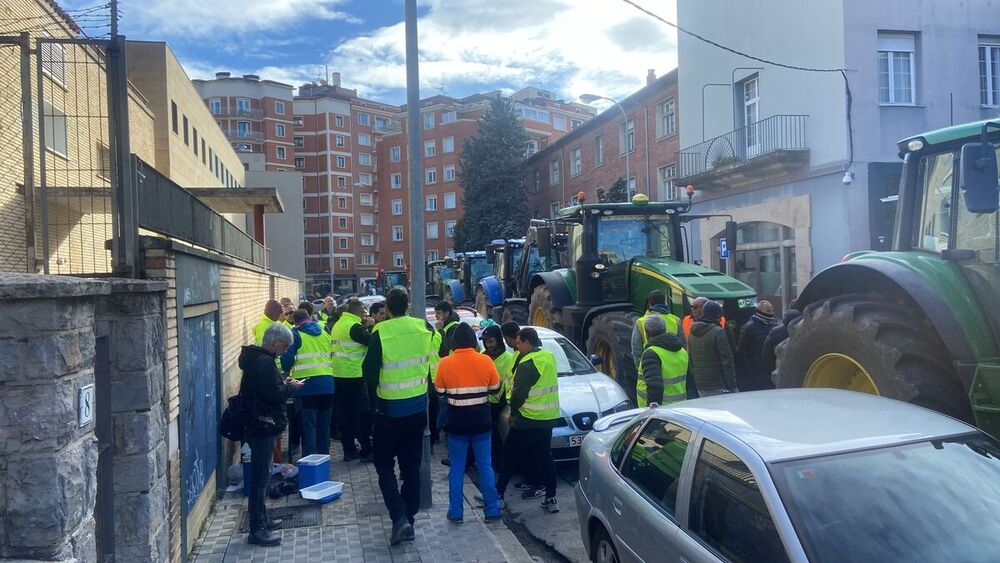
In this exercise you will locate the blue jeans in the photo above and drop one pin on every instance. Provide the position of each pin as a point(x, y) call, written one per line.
point(315, 412)
point(458, 447)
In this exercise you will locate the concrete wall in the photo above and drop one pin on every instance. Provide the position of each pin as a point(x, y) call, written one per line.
point(283, 232)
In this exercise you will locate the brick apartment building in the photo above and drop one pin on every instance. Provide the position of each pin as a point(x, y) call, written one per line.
point(593, 155)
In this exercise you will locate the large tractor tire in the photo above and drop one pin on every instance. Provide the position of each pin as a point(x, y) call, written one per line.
point(482, 306)
point(865, 343)
point(610, 337)
point(540, 312)
point(517, 312)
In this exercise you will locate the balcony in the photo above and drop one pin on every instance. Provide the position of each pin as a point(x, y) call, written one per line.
point(770, 147)
point(238, 136)
point(387, 127)
point(254, 114)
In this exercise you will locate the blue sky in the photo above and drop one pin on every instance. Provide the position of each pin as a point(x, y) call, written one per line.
point(568, 46)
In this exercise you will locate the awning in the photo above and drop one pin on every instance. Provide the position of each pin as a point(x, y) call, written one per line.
point(240, 200)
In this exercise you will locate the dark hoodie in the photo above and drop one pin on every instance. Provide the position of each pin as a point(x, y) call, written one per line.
point(652, 371)
point(777, 335)
point(448, 335)
point(318, 385)
point(710, 358)
point(263, 388)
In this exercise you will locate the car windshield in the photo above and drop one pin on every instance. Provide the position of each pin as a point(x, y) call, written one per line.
point(569, 360)
point(929, 501)
point(623, 237)
point(480, 268)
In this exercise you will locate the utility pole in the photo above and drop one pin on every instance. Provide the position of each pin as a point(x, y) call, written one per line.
point(418, 299)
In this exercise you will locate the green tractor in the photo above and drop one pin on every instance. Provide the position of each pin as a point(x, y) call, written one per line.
point(545, 234)
point(919, 323)
point(439, 275)
point(503, 256)
point(387, 280)
point(619, 253)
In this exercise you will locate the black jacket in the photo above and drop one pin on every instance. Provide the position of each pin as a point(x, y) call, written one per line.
point(777, 335)
point(448, 335)
point(753, 372)
point(710, 357)
point(263, 390)
point(525, 377)
point(652, 370)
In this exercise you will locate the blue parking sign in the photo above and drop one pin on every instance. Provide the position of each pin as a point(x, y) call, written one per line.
point(723, 250)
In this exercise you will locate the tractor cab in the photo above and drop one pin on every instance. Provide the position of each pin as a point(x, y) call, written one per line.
point(470, 268)
point(503, 255)
point(439, 273)
point(388, 280)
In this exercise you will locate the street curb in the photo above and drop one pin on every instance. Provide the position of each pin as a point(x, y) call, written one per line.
point(510, 547)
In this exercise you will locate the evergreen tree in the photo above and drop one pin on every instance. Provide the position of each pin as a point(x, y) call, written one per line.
point(618, 192)
point(493, 198)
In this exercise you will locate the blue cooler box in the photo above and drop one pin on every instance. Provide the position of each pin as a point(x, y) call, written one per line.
point(313, 469)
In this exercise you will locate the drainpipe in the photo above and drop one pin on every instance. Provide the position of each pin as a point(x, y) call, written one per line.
point(645, 126)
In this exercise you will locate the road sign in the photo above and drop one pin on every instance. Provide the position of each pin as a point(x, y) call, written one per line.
point(723, 250)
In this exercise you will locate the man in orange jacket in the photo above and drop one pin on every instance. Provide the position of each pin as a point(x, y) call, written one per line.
point(696, 307)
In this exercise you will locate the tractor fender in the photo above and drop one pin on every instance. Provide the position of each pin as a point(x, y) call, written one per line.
point(457, 293)
point(561, 296)
point(493, 290)
point(596, 312)
point(893, 279)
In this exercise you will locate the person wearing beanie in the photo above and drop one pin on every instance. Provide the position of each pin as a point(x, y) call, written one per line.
point(272, 314)
point(710, 359)
point(752, 372)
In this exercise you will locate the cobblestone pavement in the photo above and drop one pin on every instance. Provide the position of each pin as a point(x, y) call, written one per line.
point(356, 527)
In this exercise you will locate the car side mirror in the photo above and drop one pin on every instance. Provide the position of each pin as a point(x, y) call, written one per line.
point(978, 177)
point(544, 238)
point(596, 360)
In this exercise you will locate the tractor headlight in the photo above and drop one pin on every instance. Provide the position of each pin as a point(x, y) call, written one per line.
point(595, 275)
point(599, 266)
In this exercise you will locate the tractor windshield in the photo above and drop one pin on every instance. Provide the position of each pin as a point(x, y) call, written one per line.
point(396, 279)
point(624, 237)
point(479, 269)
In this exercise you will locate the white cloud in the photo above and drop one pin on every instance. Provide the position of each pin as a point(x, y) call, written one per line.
point(574, 46)
point(208, 18)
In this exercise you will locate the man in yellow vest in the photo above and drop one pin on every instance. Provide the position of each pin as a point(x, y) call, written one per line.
point(308, 359)
point(503, 360)
point(272, 314)
point(534, 403)
point(397, 365)
point(663, 366)
point(329, 307)
point(349, 339)
point(656, 305)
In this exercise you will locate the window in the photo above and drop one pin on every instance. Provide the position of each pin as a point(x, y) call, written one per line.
point(449, 173)
point(300, 162)
point(279, 108)
point(554, 208)
point(339, 120)
point(280, 153)
point(448, 117)
point(575, 123)
point(187, 139)
point(56, 139)
point(342, 243)
point(559, 122)
point(430, 148)
point(896, 68)
point(449, 229)
point(727, 510)
point(668, 192)
point(432, 203)
point(173, 115)
point(367, 259)
point(631, 186)
point(396, 181)
point(299, 142)
point(367, 239)
point(449, 200)
point(363, 119)
point(576, 161)
point(342, 222)
point(365, 159)
point(341, 182)
point(626, 136)
point(367, 219)
point(554, 172)
point(364, 139)
point(365, 179)
point(989, 71)
point(194, 139)
point(339, 140)
point(203, 151)
point(215, 106)
point(397, 259)
point(448, 145)
point(381, 122)
point(279, 130)
point(242, 129)
point(624, 440)
point(533, 146)
point(667, 111)
point(103, 161)
point(341, 162)
point(242, 105)
point(297, 121)
point(599, 150)
point(397, 233)
point(534, 114)
point(432, 255)
point(366, 200)
point(430, 176)
point(429, 120)
point(341, 202)
point(397, 207)
point(432, 230)
point(395, 154)
point(343, 263)
point(653, 465)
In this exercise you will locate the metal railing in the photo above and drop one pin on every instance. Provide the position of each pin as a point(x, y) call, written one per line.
point(168, 209)
point(237, 135)
point(390, 127)
point(777, 133)
point(255, 114)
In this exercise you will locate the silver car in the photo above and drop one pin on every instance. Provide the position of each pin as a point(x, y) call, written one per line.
point(789, 475)
point(585, 395)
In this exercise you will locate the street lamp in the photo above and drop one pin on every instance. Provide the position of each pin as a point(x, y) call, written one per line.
point(591, 98)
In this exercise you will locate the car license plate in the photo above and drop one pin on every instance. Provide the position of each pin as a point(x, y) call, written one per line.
point(572, 441)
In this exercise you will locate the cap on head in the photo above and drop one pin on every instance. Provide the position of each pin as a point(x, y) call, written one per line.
point(492, 331)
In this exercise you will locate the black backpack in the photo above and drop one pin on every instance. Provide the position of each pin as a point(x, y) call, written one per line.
point(237, 417)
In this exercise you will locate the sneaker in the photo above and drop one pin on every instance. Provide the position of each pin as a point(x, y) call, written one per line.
point(550, 504)
point(456, 520)
point(533, 493)
point(522, 486)
point(402, 531)
point(490, 519)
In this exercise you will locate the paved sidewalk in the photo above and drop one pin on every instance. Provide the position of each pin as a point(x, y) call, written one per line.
point(356, 527)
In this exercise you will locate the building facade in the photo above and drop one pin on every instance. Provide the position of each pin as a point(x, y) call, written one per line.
point(641, 146)
point(810, 172)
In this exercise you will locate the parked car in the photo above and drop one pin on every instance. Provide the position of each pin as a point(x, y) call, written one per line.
point(467, 315)
point(585, 395)
point(370, 300)
point(789, 475)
